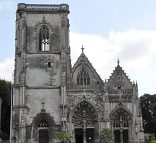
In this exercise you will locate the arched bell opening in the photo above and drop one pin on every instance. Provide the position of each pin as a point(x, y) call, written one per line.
point(85, 121)
point(121, 121)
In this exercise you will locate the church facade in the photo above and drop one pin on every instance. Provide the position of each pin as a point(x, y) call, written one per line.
point(49, 95)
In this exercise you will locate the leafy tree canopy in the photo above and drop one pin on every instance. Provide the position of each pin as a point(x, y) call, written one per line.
point(148, 107)
point(5, 95)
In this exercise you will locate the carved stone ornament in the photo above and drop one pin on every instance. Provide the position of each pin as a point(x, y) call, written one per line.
point(121, 118)
point(52, 67)
point(23, 22)
point(52, 59)
point(95, 100)
point(137, 125)
point(84, 111)
point(43, 7)
point(43, 22)
point(116, 99)
point(23, 122)
point(63, 22)
point(22, 77)
point(15, 121)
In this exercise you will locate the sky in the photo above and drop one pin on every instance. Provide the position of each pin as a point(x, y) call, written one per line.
point(107, 29)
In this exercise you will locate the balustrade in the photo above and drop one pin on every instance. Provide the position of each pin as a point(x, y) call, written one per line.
point(84, 87)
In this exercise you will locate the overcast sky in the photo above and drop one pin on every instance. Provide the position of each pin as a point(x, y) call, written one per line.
point(108, 30)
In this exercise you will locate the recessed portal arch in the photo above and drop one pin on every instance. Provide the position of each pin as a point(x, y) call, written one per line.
point(121, 120)
point(43, 127)
point(85, 121)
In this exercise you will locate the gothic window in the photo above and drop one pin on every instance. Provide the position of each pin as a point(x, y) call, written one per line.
point(83, 78)
point(43, 123)
point(84, 111)
point(44, 39)
point(121, 119)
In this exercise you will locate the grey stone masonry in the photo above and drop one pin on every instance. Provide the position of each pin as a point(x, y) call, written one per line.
point(49, 95)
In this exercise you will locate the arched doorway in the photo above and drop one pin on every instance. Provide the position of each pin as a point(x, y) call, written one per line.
point(121, 124)
point(43, 131)
point(85, 122)
point(43, 128)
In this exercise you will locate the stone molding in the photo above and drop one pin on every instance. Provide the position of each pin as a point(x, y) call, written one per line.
point(43, 7)
point(95, 100)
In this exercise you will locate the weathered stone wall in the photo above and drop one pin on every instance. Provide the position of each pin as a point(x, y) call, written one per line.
point(45, 88)
point(38, 73)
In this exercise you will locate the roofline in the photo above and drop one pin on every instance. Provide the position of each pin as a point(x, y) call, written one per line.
point(43, 7)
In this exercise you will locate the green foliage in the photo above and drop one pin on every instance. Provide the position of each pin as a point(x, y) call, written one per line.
point(148, 106)
point(153, 141)
point(106, 135)
point(5, 95)
point(64, 136)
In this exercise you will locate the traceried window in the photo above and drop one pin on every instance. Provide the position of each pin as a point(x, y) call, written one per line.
point(43, 123)
point(121, 119)
point(44, 39)
point(83, 78)
point(86, 111)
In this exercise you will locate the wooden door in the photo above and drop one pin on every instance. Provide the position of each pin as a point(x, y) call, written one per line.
point(43, 136)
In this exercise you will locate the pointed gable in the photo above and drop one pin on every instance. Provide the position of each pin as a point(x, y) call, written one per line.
point(119, 79)
point(85, 68)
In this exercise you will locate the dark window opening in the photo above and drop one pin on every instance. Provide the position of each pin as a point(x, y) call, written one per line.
point(83, 78)
point(119, 87)
point(49, 64)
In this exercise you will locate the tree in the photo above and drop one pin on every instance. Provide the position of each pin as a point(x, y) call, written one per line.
point(106, 135)
point(148, 107)
point(64, 136)
point(5, 95)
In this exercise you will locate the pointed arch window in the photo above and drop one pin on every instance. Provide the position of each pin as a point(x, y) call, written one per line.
point(87, 111)
point(83, 78)
point(44, 39)
point(121, 119)
point(43, 123)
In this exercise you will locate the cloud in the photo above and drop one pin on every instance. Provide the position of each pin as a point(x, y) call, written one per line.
point(6, 69)
point(135, 49)
point(7, 5)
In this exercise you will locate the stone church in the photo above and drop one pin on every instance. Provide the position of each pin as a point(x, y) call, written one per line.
point(51, 95)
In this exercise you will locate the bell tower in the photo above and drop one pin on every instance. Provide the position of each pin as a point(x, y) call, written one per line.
point(41, 71)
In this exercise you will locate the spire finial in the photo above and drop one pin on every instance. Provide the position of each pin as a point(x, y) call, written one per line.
point(82, 48)
point(43, 103)
point(118, 61)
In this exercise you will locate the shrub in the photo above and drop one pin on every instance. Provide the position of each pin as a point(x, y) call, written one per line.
point(64, 136)
point(106, 135)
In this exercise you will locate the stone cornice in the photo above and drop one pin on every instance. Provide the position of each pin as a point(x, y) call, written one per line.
point(43, 7)
point(43, 87)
